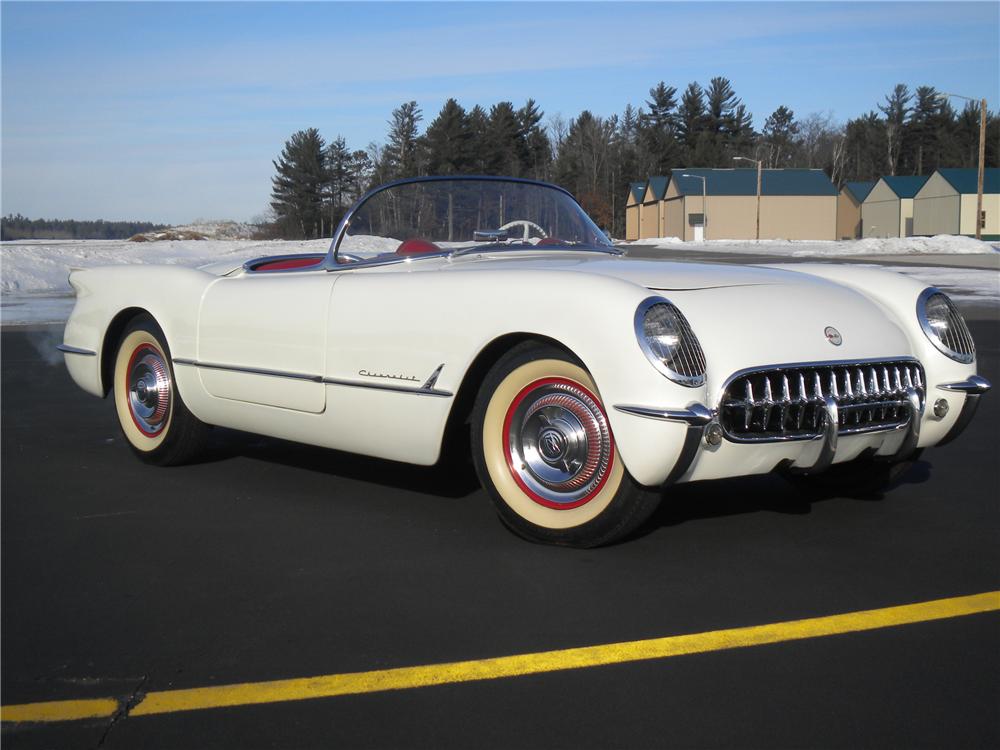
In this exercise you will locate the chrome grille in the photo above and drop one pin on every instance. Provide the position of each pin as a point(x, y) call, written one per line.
point(787, 402)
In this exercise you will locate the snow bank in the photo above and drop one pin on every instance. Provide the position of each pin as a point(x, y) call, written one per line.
point(201, 230)
point(41, 266)
point(942, 244)
point(33, 273)
point(961, 284)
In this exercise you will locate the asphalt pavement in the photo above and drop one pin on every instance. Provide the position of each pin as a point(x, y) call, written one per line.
point(274, 560)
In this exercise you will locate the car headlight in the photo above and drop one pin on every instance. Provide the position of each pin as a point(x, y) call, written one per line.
point(944, 326)
point(667, 340)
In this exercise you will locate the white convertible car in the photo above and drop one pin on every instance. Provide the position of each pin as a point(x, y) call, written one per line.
point(585, 381)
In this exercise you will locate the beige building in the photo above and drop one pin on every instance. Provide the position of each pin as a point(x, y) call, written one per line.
point(946, 204)
point(795, 204)
point(633, 208)
point(852, 195)
point(888, 209)
point(651, 217)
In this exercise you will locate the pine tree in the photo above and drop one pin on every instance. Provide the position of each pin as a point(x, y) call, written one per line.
point(895, 110)
point(505, 148)
point(338, 161)
point(537, 149)
point(658, 128)
point(778, 135)
point(402, 153)
point(448, 141)
point(298, 187)
point(691, 118)
point(922, 131)
point(726, 121)
point(478, 126)
point(865, 147)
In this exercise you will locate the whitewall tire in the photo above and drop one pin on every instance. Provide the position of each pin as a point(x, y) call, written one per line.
point(153, 418)
point(544, 451)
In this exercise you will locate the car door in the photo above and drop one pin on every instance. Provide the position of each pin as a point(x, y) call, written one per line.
point(262, 339)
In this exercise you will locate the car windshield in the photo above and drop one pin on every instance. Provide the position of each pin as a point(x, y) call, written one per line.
point(458, 215)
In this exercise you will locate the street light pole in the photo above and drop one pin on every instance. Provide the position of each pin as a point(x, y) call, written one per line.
point(704, 202)
point(980, 219)
point(982, 159)
point(759, 164)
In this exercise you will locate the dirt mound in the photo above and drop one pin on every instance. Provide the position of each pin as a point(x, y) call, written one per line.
point(169, 234)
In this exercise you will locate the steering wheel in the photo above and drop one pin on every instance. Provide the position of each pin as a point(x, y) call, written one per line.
point(528, 226)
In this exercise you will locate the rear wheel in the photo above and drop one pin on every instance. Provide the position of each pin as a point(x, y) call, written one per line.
point(544, 451)
point(156, 423)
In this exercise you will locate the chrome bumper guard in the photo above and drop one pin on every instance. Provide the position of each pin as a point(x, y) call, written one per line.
point(898, 442)
point(973, 388)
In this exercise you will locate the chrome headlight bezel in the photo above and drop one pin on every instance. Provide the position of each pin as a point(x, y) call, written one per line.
point(960, 335)
point(688, 344)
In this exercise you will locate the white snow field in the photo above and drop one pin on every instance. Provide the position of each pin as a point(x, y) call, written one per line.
point(34, 289)
point(943, 244)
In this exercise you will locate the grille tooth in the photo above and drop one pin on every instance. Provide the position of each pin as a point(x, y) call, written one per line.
point(768, 401)
point(869, 396)
point(803, 401)
point(786, 400)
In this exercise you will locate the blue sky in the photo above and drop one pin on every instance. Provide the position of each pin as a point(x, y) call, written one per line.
point(173, 111)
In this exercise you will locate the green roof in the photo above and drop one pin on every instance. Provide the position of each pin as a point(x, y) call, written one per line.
point(658, 187)
point(967, 180)
point(905, 187)
point(744, 182)
point(638, 190)
point(859, 190)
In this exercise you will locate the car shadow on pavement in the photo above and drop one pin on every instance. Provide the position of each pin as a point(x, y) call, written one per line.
point(766, 492)
point(448, 478)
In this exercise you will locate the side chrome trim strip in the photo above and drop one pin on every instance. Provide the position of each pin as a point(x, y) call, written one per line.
point(975, 384)
point(695, 414)
point(430, 382)
point(422, 391)
point(249, 370)
point(67, 349)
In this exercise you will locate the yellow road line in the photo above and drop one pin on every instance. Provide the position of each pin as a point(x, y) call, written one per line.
point(403, 678)
point(99, 708)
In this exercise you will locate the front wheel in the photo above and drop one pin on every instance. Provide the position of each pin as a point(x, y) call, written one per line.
point(153, 417)
point(544, 451)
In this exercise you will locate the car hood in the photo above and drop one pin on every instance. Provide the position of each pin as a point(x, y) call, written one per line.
point(755, 316)
point(658, 275)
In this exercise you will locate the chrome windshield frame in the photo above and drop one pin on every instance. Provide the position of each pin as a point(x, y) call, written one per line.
point(330, 263)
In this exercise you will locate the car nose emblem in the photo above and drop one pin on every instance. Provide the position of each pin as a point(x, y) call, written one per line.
point(833, 335)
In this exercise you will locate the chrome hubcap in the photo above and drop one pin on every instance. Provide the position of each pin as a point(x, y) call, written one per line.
point(148, 390)
point(559, 442)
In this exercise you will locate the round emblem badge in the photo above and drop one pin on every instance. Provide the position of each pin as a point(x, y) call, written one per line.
point(833, 335)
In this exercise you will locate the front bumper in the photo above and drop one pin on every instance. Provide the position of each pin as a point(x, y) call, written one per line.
point(704, 456)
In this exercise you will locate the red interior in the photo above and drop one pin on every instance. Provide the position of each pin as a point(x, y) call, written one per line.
point(414, 246)
point(551, 241)
point(282, 265)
